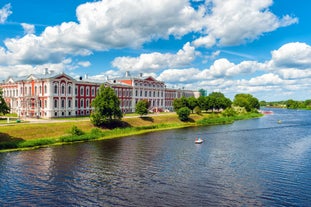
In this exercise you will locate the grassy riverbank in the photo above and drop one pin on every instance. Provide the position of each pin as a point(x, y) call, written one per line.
point(21, 136)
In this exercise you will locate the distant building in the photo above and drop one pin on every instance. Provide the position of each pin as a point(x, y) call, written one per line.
point(59, 95)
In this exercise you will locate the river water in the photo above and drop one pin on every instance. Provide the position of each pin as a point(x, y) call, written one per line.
point(257, 162)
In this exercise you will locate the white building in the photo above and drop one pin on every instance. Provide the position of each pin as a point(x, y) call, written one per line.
point(59, 95)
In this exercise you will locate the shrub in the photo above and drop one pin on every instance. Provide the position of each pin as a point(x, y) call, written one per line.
point(197, 110)
point(76, 131)
point(229, 112)
point(183, 113)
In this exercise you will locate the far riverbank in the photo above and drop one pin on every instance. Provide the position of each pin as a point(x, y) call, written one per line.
point(25, 136)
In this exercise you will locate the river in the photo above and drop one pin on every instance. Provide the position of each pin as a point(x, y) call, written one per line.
point(257, 162)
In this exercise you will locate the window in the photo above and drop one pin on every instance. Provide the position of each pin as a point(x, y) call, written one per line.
point(45, 103)
point(36, 90)
point(93, 92)
point(87, 103)
point(55, 89)
point(146, 93)
point(40, 89)
point(76, 90)
point(63, 103)
point(87, 91)
point(69, 89)
point(63, 89)
point(81, 103)
point(69, 103)
point(45, 89)
point(55, 103)
point(76, 103)
point(81, 91)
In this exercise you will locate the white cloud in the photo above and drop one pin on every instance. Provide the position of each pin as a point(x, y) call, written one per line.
point(206, 41)
point(292, 55)
point(84, 64)
point(180, 75)
point(156, 61)
point(233, 22)
point(103, 25)
point(5, 12)
point(28, 28)
point(266, 79)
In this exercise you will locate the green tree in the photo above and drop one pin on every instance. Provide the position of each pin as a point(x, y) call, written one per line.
point(192, 103)
point(183, 113)
point(179, 103)
point(247, 101)
point(217, 100)
point(106, 107)
point(4, 108)
point(142, 107)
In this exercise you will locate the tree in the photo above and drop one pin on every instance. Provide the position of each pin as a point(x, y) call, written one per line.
point(179, 103)
point(142, 107)
point(192, 103)
point(183, 113)
point(217, 100)
point(4, 108)
point(247, 101)
point(106, 107)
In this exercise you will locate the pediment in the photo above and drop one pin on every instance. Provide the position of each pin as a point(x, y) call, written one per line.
point(62, 77)
point(150, 79)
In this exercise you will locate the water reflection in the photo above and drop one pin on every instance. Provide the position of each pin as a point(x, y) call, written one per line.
point(249, 163)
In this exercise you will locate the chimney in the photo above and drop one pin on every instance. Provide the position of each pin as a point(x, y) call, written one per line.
point(141, 75)
point(127, 74)
point(86, 76)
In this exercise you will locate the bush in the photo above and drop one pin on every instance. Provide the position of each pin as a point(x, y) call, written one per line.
point(183, 113)
point(229, 112)
point(197, 110)
point(76, 131)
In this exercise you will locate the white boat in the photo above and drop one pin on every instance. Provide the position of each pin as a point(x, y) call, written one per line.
point(198, 141)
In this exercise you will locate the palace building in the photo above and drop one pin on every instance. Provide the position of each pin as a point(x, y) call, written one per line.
point(52, 95)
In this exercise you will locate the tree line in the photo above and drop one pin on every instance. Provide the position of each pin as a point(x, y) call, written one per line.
point(290, 104)
point(215, 101)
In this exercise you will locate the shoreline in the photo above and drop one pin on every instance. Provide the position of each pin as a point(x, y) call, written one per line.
point(147, 124)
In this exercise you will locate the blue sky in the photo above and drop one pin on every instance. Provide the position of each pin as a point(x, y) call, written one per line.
point(231, 46)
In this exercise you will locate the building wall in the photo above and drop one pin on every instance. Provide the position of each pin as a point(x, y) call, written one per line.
point(63, 96)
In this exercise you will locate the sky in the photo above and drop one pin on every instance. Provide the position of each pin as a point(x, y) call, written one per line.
point(228, 46)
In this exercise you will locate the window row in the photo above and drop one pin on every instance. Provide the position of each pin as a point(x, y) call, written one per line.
point(149, 85)
point(149, 93)
point(62, 103)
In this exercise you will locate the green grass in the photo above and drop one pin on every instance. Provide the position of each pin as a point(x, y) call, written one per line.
point(28, 136)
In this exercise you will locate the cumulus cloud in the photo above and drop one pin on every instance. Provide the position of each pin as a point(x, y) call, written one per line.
point(292, 55)
point(5, 12)
point(156, 61)
point(103, 25)
point(233, 22)
point(179, 75)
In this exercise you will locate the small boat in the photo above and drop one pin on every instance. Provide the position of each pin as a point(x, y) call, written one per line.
point(198, 141)
point(266, 112)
